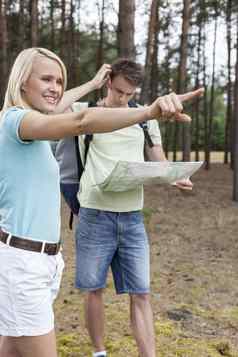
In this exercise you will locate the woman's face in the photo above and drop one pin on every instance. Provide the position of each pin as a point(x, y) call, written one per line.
point(44, 87)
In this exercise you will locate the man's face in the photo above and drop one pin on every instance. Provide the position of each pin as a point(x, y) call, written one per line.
point(120, 91)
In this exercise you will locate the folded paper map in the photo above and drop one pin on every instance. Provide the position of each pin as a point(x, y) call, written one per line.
point(127, 175)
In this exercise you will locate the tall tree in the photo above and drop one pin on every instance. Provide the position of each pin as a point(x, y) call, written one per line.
point(21, 25)
point(200, 23)
point(126, 29)
point(150, 84)
point(167, 69)
point(100, 50)
point(205, 96)
point(235, 121)
point(63, 29)
point(52, 24)
point(229, 83)
point(182, 78)
point(3, 47)
point(212, 96)
point(71, 44)
point(34, 22)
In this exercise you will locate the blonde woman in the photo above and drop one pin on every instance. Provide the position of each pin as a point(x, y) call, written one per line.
point(31, 262)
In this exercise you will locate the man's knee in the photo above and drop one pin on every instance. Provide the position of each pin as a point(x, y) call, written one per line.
point(140, 299)
point(95, 294)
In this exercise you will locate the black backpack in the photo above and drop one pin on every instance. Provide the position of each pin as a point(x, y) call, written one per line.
point(70, 190)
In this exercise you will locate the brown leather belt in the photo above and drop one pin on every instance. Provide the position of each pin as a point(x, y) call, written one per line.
point(27, 244)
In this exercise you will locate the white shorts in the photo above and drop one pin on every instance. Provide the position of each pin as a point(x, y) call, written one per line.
point(29, 283)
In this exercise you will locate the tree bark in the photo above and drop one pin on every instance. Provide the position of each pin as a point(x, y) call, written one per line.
point(197, 83)
point(3, 47)
point(211, 103)
point(150, 83)
point(34, 23)
point(126, 29)
point(235, 126)
point(52, 24)
point(227, 143)
point(100, 50)
point(181, 87)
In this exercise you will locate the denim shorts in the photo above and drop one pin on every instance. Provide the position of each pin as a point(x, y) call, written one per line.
point(119, 240)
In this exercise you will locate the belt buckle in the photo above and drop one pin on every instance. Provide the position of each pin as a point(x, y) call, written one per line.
point(43, 247)
point(51, 248)
point(8, 240)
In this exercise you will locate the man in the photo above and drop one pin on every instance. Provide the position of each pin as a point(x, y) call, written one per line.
point(110, 231)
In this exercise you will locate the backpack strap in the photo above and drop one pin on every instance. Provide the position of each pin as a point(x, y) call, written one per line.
point(80, 165)
point(80, 169)
point(143, 125)
point(88, 138)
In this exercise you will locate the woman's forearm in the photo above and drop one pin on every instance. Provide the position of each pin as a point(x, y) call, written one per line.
point(37, 126)
point(98, 120)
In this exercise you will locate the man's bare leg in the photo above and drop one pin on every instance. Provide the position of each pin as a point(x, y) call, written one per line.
point(94, 318)
point(142, 324)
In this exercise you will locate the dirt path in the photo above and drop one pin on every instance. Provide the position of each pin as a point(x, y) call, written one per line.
point(194, 270)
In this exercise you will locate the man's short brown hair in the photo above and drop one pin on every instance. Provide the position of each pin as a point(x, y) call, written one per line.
point(128, 69)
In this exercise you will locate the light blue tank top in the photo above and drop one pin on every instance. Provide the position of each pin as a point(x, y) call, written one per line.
point(29, 183)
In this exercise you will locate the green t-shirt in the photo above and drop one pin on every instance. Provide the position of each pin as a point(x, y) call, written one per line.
point(105, 151)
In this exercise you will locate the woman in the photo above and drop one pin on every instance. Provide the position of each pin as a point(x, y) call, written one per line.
point(31, 262)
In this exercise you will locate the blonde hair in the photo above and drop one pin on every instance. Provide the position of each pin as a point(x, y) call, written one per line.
point(21, 71)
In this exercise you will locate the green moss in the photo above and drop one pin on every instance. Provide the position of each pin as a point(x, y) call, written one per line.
point(164, 328)
point(147, 213)
point(169, 339)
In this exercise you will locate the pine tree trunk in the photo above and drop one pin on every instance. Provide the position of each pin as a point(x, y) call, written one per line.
point(211, 104)
point(205, 101)
point(100, 51)
point(150, 83)
point(34, 23)
point(197, 83)
point(167, 35)
point(21, 26)
point(72, 46)
point(126, 29)
point(229, 84)
point(235, 126)
point(62, 30)
point(186, 129)
point(3, 48)
point(181, 86)
point(52, 24)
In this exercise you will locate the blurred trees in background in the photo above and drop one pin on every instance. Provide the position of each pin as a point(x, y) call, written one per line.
point(178, 42)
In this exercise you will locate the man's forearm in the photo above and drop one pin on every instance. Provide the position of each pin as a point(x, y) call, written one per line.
point(73, 95)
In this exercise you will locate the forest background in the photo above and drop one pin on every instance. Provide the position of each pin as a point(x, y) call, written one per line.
point(182, 44)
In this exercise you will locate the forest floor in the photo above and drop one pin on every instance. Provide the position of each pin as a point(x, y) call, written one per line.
point(194, 274)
